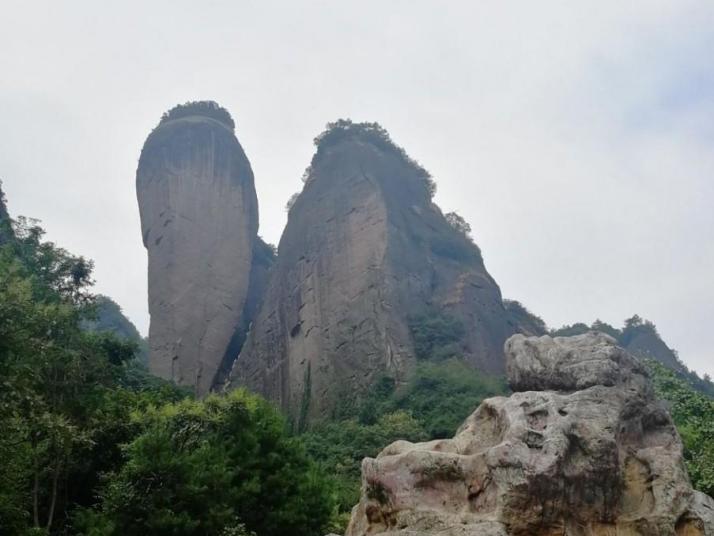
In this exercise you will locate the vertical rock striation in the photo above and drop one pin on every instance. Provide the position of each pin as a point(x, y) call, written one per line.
point(364, 250)
point(199, 218)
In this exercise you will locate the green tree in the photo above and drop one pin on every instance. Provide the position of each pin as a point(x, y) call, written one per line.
point(200, 467)
point(57, 380)
point(693, 413)
point(436, 335)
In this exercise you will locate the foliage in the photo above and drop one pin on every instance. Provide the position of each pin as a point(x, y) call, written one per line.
point(458, 223)
point(75, 405)
point(264, 253)
point(693, 413)
point(520, 315)
point(441, 395)
point(105, 315)
point(436, 335)
point(209, 109)
point(454, 246)
point(579, 328)
point(291, 201)
point(432, 403)
point(198, 466)
point(341, 445)
point(375, 135)
point(55, 377)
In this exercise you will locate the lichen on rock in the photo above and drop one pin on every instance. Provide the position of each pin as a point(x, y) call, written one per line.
point(581, 448)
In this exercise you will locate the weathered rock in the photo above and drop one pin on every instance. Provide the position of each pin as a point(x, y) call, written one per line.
point(569, 363)
point(199, 217)
point(363, 250)
point(605, 460)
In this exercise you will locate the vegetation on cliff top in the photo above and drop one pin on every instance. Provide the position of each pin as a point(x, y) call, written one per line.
point(373, 134)
point(209, 109)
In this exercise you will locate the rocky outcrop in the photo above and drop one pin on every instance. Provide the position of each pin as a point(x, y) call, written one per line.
point(364, 250)
point(590, 452)
point(199, 218)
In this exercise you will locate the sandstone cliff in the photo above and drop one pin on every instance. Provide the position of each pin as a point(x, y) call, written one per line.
point(582, 448)
point(364, 250)
point(199, 218)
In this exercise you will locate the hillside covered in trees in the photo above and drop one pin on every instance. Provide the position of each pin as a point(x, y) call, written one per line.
point(92, 444)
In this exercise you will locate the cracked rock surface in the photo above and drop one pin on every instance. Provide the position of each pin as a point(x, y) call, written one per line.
point(588, 451)
point(199, 219)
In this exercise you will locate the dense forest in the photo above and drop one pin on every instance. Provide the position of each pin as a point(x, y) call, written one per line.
point(94, 445)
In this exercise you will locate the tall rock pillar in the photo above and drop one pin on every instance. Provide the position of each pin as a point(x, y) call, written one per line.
point(199, 219)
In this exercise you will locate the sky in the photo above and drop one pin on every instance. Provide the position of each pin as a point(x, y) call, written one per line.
point(576, 138)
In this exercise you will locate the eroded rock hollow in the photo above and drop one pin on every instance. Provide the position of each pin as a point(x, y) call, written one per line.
point(582, 448)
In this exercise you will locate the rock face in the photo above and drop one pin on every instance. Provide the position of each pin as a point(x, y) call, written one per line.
point(590, 452)
point(199, 218)
point(364, 250)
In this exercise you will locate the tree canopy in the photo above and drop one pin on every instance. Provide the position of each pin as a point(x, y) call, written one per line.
point(92, 444)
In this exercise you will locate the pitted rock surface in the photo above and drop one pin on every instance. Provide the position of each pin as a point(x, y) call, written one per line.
point(601, 460)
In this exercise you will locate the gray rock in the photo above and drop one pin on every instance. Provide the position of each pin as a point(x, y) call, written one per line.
point(199, 218)
point(364, 248)
point(602, 460)
point(570, 363)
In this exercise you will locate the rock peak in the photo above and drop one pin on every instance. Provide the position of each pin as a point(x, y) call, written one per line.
point(199, 218)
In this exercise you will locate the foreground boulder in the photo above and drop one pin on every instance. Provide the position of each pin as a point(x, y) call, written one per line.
point(590, 453)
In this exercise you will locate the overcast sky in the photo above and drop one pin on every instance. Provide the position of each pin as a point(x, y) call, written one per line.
point(575, 137)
